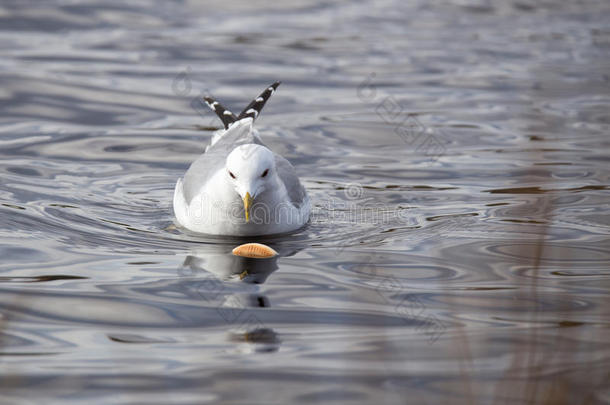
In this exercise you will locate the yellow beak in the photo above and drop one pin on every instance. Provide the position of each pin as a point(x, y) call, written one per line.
point(247, 203)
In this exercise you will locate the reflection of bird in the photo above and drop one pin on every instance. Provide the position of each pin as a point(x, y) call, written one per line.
point(265, 339)
point(239, 186)
point(224, 265)
point(218, 260)
point(221, 278)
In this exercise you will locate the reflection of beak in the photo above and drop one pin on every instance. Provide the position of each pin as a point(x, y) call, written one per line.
point(247, 203)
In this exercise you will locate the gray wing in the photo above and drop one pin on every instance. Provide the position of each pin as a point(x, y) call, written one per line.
point(214, 158)
point(287, 174)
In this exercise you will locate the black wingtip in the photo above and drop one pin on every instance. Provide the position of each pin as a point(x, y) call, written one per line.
point(226, 116)
point(251, 111)
point(254, 108)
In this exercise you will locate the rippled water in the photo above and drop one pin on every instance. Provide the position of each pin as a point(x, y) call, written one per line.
point(456, 153)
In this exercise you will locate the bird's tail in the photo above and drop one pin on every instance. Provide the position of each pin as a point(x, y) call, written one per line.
point(251, 111)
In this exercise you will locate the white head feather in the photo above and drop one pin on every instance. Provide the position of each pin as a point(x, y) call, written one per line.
point(250, 168)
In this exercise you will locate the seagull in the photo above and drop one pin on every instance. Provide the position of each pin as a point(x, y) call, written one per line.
point(238, 186)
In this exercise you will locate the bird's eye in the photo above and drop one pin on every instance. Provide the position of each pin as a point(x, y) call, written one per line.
point(232, 175)
point(265, 173)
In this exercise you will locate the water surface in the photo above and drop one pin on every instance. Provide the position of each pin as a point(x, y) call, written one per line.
point(456, 154)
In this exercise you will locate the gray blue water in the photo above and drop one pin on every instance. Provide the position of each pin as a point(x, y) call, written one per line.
point(456, 153)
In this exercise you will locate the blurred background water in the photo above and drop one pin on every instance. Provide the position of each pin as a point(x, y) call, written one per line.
point(457, 155)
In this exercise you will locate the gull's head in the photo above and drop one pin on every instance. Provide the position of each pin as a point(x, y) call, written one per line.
point(249, 168)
